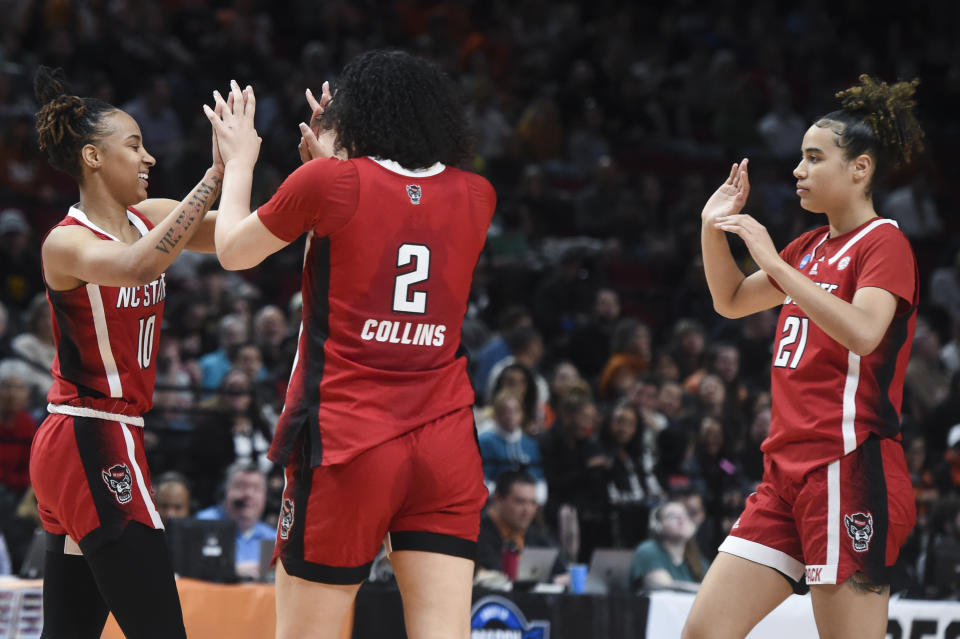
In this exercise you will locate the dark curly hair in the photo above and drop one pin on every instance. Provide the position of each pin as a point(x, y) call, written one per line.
point(66, 123)
point(392, 105)
point(877, 119)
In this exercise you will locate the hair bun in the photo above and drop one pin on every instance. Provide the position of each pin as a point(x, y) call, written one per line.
point(889, 111)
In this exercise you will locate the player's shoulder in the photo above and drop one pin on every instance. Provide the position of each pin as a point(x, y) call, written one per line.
point(884, 234)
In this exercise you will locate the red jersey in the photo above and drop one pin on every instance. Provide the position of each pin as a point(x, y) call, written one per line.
point(826, 399)
point(387, 273)
point(106, 338)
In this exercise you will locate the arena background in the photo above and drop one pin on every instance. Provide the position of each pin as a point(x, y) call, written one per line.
point(603, 126)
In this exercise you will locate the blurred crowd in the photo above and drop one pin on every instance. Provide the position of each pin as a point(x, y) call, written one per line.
point(600, 367)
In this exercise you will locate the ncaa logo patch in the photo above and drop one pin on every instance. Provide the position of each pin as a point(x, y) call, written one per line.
point(118, 480)
point(414, 192)
point(842, 264)
point(286, 518)
point(806, 260)
point(860, 528)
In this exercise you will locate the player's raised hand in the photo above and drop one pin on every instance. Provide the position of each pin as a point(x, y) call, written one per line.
point(317, 108)
point(754, 235)
point(236, 136)
point(731, 196)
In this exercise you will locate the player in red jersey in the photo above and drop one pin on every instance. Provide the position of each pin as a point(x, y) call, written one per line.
point(103, 266)
point(377, 433)
point(835, 503)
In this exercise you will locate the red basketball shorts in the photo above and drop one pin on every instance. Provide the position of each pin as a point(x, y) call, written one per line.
point(852, 515)
point(91, 479)
point(421, 491)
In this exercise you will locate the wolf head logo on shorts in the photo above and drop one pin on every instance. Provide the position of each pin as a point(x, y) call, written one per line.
point(860, 528)
point(414, 193)
point(118, 480)
point(286, 518)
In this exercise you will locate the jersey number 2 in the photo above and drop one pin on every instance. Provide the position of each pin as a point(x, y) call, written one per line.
point(403, 301)
point(145, 340)
point(793, 327)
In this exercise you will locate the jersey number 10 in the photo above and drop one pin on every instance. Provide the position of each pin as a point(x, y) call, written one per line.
point(403, 301)
point(793, 327)
point(145, 340)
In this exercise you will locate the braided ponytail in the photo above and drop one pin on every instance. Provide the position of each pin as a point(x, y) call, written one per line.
point(877, 119)
point(66, 123)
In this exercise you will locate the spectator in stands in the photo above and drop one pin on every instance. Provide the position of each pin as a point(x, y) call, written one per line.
point(520, 382)
point(565, 378)
point(506, 527)
point(19, 261)
point(926, 381)
point(506, 447)
point(496, 348)
point(590, 342)
point(632, 486)
point(172, 494)
point(243, 503)
point(526, 348)
point(16, 426)
point(670, 558)
point(214, 365)
point(575, 467)
point(36, 348)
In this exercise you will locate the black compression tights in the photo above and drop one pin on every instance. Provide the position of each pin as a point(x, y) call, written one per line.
point(131, 577)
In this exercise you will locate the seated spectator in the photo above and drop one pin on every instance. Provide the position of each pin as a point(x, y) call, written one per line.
point(172, 494)
point(519, 381)
point(506, 447)
point(506, 527)
point(215, 365)
point(496, 349)
point(565, 378)
point(19, 527)
point(575, 467)
point(243, 504)
point(631, 485)
point(16, 427)
point(35, 347)
point(670, 558)
point(526, 348)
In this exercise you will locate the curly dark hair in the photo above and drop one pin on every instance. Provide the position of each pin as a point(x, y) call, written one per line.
point(877, 119)
point(66, 123)
point(392, 105)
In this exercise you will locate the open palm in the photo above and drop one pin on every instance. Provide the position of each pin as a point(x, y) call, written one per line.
point(731, 196)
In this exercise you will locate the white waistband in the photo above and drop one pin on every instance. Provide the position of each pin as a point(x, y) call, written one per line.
point(80, 411)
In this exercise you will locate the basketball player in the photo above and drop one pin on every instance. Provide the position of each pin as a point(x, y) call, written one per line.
point(835, 503)
point(103, 266)
point(377, 433)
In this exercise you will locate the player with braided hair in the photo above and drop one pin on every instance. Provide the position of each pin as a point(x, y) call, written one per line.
point(836, 502)
point(103, 267)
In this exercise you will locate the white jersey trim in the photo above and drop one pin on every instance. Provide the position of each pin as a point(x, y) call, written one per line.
point(141, 485)
point(82, 411)
point(103, 340)
point(765, 555)
point(395, 167)
point(859, 236)
point(848, 425)
point(80, 216)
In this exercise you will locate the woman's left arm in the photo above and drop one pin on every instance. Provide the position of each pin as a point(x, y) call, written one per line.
point(858, 325)
point(155, 209)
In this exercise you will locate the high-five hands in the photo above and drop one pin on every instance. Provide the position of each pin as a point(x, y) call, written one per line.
point(316, 142)
point(232, 121)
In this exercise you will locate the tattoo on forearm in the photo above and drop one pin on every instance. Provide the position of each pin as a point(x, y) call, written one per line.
point(193, 210)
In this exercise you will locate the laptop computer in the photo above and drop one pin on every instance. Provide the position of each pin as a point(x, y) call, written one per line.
point(203, 548)
point(536, 564)
point(609, 569)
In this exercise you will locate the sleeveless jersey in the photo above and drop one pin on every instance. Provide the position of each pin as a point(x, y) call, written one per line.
point(826, 399)
point(106, 338)
point(387, 272)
